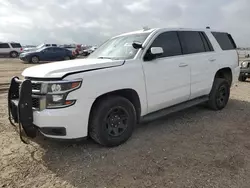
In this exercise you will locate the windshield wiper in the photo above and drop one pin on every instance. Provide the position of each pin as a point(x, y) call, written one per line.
point(104, 57)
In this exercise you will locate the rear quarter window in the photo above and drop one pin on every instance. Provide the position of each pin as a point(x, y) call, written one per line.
point(225, 40)
point(16, 45)
point(4, 45)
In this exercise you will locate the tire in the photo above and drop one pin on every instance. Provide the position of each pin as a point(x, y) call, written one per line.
point(66, 58)
point(13, 54)
point(242, 78)
point(34, 59)
point(219, 94)
point(112, 121)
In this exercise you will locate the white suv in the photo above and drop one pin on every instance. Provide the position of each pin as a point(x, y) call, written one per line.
point(133, 77)
point(10, 48)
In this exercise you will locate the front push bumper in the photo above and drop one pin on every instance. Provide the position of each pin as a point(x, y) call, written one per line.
point(20, 108)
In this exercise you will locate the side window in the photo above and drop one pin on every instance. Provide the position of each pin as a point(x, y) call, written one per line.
point(54, 45)
point(191, 42)
point(16, 45)
point(47, 45)
point(225, 40)
point(207, 44)
point(4, 45)
point(169, 42)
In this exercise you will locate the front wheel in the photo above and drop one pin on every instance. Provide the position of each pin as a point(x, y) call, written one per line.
point(34, 59)
point(242, 78)
point(219, 94)
point(66, 58)
point(112, 121)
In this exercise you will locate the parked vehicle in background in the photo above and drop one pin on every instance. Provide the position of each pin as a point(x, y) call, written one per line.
point(88, 51)
point(12, 49)
point(244, 70)
point(133, 77)
point(47, 54)
point(38, 47)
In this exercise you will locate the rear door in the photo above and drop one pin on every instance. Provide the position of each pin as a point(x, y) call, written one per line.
point(200, 55)
point(4, 48)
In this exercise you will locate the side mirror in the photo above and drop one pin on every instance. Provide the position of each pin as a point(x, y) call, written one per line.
point(156, 50)
point(137, 45)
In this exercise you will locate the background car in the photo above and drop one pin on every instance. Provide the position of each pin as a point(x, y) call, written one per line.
point(47, 54)
point(38, 47)
point(12, 49)
point(90, 50)
point(244, 70)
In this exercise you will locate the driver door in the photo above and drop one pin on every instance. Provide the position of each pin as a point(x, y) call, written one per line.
point(167, 76)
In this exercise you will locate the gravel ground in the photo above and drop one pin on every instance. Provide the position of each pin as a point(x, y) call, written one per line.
point(192, 148)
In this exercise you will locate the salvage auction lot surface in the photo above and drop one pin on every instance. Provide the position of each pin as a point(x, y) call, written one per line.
point(193, 148)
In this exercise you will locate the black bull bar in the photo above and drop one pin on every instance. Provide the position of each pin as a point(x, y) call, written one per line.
point(20, 108)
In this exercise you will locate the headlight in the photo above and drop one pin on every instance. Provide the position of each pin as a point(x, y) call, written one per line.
point(57, 93)
point(244, 64)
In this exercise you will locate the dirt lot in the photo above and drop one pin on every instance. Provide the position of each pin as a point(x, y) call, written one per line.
point(193, 148)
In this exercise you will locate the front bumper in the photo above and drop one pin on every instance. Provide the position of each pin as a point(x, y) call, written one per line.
point(20, 108)
point(64, 123)
point(245, 72)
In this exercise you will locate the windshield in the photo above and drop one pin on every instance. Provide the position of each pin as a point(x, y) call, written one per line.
point(40, 46)
point(119, 47)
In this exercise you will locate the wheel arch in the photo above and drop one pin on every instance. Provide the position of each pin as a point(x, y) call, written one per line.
point(225, 73)
point(127, 93)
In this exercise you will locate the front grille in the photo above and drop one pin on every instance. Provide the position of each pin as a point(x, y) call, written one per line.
point(36, 86)
point(35, 103)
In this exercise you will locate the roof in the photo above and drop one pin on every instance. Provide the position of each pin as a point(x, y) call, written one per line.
point(167, 29)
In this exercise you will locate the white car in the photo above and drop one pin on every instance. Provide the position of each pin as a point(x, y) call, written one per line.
point(133, 77)
point(12, 49)
point(39, 47)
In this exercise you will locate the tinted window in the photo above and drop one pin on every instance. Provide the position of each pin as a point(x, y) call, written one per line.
point(4, 45)
point(47, 45)
point(54, 45)
point(225, 40)
point(169, 42)
point(191, 42)
point(207, 44)
point(16, 45)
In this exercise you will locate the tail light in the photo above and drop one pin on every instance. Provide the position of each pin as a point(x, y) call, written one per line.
point(21, 49)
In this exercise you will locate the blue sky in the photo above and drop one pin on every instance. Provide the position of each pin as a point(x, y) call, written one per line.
point(93, 21)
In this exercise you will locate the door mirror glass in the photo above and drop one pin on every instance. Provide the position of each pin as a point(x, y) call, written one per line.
point(156, 50)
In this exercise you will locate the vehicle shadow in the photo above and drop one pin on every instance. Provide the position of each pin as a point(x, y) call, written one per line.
point(159, 150)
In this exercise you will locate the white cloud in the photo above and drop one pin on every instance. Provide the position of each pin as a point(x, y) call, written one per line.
point(93, 21)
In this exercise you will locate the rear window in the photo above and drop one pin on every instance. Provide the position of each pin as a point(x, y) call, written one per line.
point(191, 42)
point(16, 45)
point(4, 45)
point(225, 40)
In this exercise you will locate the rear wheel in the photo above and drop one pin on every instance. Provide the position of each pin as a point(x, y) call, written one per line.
point(242, 78)
point(112, 121)
point(13, 54)
point(219, 94)
point(34, 59)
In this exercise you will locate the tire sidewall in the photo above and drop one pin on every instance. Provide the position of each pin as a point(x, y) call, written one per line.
point(100, 125)
point(11, 54)
point(215, 92)
point(31, 59)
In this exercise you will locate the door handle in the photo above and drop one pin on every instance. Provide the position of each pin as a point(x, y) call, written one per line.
point(183, 65)
point(212, 59)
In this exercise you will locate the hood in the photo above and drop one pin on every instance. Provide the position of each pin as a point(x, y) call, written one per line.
point(61, 68)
